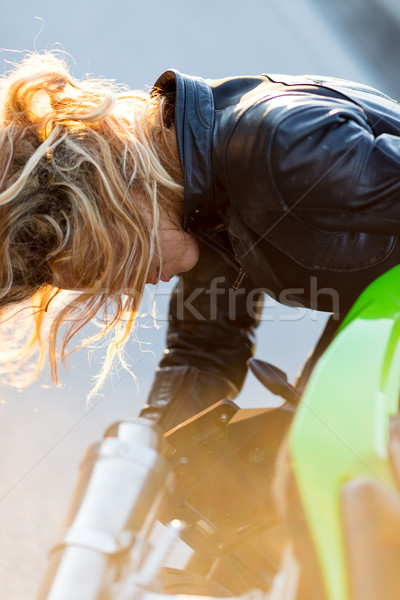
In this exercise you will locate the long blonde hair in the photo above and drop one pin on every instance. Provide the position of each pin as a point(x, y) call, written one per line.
point(75, 159)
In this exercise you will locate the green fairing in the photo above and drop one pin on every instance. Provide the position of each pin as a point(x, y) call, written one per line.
point(341, 428)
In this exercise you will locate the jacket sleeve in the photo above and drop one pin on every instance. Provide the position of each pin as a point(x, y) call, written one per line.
point(209, 340)
point(333, 172)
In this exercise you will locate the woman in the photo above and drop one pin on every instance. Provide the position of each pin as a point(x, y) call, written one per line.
point(245, 184)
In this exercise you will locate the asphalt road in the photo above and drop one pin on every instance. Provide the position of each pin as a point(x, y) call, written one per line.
point(43, 429)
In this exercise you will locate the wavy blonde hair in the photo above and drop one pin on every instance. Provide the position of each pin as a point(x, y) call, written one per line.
point(80, 163)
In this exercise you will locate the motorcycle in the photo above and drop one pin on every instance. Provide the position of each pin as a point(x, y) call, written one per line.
point(297, 502)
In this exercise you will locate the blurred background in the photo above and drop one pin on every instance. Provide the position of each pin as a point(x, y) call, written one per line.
point(44, 429)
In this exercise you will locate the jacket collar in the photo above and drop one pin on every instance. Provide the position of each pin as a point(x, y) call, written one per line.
point(194, 121)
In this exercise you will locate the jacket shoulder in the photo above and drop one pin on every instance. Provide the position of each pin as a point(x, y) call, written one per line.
point(231, 91)
point(267, 131)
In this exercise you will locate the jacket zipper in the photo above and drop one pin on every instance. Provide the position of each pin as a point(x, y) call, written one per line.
point(232, 259)
point(241, 275)
point(235, 262)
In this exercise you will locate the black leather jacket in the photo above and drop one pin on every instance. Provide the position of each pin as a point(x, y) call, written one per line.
point(292, 186)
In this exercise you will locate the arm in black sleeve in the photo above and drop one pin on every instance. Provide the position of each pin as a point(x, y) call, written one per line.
point(333, 172)
point(210, 338)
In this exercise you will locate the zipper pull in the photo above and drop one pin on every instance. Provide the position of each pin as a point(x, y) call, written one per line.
point(239, 279)
point(194, 215)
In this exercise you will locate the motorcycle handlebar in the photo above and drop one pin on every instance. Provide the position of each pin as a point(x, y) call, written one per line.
point(121, 484)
